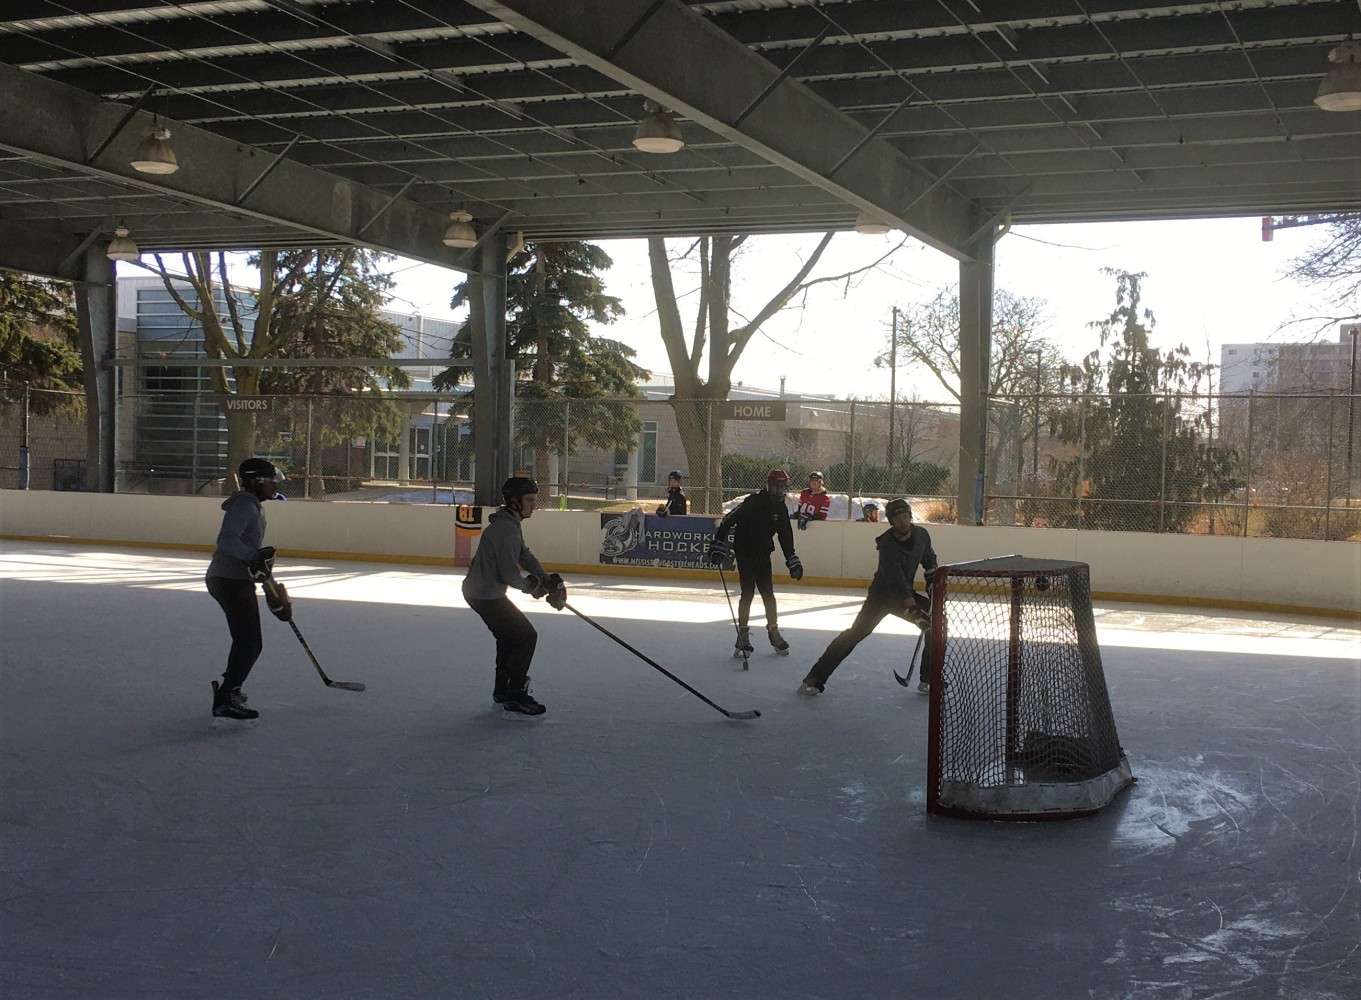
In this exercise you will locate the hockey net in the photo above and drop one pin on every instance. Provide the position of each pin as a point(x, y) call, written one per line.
point(1021, 725)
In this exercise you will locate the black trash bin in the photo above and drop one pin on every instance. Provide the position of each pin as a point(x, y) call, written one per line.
point(68, 474)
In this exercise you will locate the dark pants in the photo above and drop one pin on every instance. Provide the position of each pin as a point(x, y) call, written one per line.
point(872, 612)
point(237, 598)
point(515, 642)
point(753, 573)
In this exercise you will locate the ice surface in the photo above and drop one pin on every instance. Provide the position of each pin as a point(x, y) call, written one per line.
point(406, 842)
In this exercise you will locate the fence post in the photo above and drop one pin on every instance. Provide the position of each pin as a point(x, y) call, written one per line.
point(23, 444)
point(1081, 456)
point(709, 462)
point(1162, 481)
point(1247, 468)
point(307, 455)
point(193, 447)
point(850, 464)
point(1328, 463)
point(566, 448)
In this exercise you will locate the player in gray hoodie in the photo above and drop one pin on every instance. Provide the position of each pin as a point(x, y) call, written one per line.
point(501, 554)
point(239, 560)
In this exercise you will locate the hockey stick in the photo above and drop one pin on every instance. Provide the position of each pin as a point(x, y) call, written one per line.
point(733, 615)
point(752, 714)
point(911, 663)
point(273, 593)
point(343, 685)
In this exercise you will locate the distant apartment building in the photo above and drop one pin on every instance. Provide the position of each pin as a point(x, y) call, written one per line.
point(1303, 367)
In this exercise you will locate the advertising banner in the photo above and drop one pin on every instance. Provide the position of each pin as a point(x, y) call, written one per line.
point(637, 538)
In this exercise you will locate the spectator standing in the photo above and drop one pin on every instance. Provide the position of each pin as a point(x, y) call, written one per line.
point(814, 502)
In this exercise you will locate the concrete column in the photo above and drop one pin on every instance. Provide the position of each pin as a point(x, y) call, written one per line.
point(631, 476)
point(975, 349)
point(97, 317)
point(493, 373)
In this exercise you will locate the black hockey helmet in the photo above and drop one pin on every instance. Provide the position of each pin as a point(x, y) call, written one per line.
point(674, 474)
point(896, 507)
point(870, 505)
point(256, 468)
point(515, 488)
point(777, 481)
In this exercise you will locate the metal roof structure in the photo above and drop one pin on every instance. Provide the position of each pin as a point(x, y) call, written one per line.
point(366, 122)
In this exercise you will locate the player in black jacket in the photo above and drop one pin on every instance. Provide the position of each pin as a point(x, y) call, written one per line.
point(759, 518)
point(902, 548)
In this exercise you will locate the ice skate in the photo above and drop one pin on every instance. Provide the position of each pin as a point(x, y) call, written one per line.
point(743, 648)
point(924, 687)
point(231, 704)
point(776, 640)
point(520, 704)
point(810, 687)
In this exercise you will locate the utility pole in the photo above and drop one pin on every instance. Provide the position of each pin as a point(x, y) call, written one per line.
point(893, 383)
point(1354, 329)
point(1035, 444)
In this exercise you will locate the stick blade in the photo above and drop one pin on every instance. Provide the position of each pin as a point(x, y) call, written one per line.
point(749, 714)
point(346, 685)
point(904, 681)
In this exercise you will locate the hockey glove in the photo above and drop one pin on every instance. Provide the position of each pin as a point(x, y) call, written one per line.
point(719, 551)
point(557, 592)
point(663, 510)
point(262, 566)
point(803, 521)
point(277, 599)
point(795, 565)
point(538, 587)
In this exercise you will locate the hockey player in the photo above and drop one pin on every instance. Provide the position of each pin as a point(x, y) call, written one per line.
point(759, 519)
point(902, 549)
point(501, 554)
point(813, 502)
point(240, 560)
point(675, 499)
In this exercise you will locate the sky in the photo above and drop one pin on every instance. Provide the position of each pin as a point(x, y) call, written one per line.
point(1209, 282)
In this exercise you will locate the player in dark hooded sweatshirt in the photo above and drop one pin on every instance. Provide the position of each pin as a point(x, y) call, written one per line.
point(240, 559)
point(902, 548)
point(501, 554)
point(759, 519)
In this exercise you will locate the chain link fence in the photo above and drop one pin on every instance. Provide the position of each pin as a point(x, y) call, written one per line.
point(1278, 465)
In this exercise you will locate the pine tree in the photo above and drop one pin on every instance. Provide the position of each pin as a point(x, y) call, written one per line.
point(39, 344)
point(554, 294)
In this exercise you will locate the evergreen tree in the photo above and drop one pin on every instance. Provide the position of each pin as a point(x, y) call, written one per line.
point(1143, 461)
point(39, 342)
point(554, 294)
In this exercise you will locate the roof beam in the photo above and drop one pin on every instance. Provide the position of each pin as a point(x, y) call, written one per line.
point(665, 51)
point(62, 126)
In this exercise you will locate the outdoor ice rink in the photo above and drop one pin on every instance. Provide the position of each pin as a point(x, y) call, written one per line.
point(407, 842)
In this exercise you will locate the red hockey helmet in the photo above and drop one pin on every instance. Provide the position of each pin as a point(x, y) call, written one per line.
point(777, 481)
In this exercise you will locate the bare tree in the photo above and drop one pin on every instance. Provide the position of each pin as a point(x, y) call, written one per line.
point(1334, 264)
point(1023, 362)
point(703, 359)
